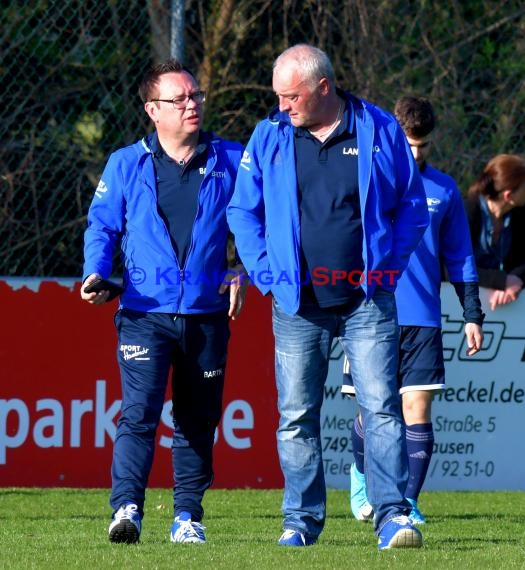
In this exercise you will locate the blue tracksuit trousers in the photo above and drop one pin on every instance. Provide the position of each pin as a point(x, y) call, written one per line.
point(193, 348)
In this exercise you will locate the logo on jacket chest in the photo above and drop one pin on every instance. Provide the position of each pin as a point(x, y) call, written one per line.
point(433, 204)
point(214, 173)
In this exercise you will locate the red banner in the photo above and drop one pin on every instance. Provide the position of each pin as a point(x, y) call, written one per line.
point(60, 393)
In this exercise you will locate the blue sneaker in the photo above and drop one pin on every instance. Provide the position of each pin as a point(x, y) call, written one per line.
point(361, 508)
point(398, 532)
point(184, 530)
point(295, 538)
point(415, 516)
point(126, 525)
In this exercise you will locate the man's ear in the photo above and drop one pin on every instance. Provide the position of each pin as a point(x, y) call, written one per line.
point(323, 86)
point(151, 109)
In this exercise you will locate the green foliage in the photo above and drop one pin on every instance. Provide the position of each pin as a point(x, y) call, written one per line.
point(67, 528)
point(67, 67)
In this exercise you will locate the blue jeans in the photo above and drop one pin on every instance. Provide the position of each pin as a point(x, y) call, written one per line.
point(369, 334)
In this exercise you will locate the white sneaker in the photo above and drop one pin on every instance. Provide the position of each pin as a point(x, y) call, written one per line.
point(126, 525)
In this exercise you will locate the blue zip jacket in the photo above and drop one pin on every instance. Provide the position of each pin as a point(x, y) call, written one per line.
point(447, 241)
point(125, 208)
point(264, 212)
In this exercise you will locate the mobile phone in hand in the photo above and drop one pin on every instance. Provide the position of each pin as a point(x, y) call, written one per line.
point(105, 285)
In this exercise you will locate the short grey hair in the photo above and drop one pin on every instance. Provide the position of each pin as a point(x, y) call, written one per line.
point(312, 63)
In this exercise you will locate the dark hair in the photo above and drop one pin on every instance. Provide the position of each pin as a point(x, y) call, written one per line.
point(502, 172)
point(148, 85)
point(415, 115)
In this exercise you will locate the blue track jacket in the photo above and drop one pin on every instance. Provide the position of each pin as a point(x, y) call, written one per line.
point(264, 212)
point(447, 240)
point(125, 208)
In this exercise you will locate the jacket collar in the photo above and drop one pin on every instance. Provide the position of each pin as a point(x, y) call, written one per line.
point(353, 104)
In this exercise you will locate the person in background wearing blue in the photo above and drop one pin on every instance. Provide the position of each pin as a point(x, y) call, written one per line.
point(327, 188)
point(164, 200)
point(421, 362)
point(496, 217)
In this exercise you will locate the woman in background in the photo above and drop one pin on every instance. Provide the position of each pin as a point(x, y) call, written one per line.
point(494, 206)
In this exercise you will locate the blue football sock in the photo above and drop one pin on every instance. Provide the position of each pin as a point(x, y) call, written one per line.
point(420, 442)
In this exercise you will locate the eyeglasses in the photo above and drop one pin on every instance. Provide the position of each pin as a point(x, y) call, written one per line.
point(182, 102)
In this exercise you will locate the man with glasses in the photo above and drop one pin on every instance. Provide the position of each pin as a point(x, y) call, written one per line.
point(329, 201)
point(163, 199)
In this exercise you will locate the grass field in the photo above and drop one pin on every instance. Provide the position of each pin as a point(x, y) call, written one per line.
point(67, 528)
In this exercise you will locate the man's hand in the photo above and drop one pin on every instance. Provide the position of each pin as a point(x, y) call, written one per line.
point(474, 334)
point(237, 280)
point(93, 298)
